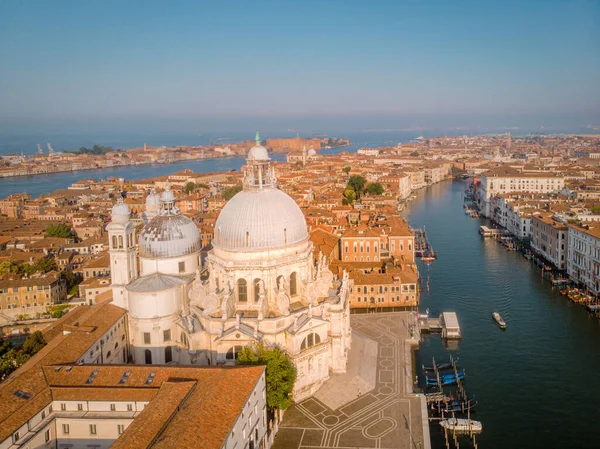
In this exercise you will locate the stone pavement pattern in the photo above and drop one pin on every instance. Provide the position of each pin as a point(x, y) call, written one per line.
point(368, 406)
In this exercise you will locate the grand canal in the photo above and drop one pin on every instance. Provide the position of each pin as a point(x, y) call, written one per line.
point(537, 382)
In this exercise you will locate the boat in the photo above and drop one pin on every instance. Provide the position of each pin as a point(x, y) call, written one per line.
point(445, 380)
point(456, 406)
point(439, 366)
point(461, 425)
point(498, 319)
point(448, 375)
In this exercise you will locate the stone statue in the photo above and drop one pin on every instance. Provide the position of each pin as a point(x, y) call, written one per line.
point(283, 299)
point(263, 305)
point(201, 295)
point(227, 301)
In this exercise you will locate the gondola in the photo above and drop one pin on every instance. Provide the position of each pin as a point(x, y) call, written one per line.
point(445, 381)
point(439, 366)
point(455, 406)
point(448, 375)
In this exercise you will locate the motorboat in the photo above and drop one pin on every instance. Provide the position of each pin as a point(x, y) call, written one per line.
point(461, 425)
point(498, 319)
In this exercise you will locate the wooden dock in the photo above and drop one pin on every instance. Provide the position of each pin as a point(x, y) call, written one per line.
point(446, 324)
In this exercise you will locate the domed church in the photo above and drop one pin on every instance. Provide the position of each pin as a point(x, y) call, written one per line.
point(259, 283)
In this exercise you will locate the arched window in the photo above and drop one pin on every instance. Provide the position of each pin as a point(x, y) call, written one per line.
point(108, 354)
point(120, 241)
point(184, 340)
point(293, 284)
point(256, 283)
point(242, 290)
point(114, 241)
point(148, 355)
point(310, 340)
point(232, 354)
point(168, 354)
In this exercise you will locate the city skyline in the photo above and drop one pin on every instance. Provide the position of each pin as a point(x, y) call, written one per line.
point(188, 65)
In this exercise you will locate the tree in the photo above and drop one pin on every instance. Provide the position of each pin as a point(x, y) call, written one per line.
point(375, 188)
point(45, 264)
point(357, 183)
point(596, 209)
point(280, 374)
point(349, 195)
point(347, 169)
point(5, 346)
point(33, 343)
point(415, 154)
point(58, 311)
point(59, 230)
point(229, 193)
point(13, 359)
point(345, 202)
point(190, 187)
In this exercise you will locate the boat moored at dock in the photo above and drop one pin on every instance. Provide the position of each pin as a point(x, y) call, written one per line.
point(461, 425)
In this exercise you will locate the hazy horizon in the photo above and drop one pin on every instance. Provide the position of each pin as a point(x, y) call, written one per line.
point(137, 66)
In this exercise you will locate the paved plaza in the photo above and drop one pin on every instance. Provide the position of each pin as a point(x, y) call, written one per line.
point(372, 404)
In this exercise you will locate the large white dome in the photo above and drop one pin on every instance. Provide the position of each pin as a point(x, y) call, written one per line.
point(169, 236)
point(260, 220)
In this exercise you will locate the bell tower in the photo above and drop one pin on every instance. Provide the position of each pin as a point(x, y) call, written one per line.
point(123, 263)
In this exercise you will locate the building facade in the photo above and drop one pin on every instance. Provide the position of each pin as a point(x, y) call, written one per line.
point(259, 283)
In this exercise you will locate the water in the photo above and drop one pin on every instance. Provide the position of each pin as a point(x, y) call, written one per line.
point(39, 184)
point(536, 382)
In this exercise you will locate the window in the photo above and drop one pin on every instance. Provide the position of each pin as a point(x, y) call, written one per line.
point(92, 429)
point(114, 241)
point(242, 290)
point(113, 407)
point(182, 267)
point(232, 354)
point(63, 406)
point(147, 338)
point(184, 340)
point(80, 407)
point(120, 241)
point(16, 436)
point(256, 284)
point(65, 429)
point(148, 356)
point(47, 435)
point(168, 354)
point(293, 284)
point(120, 429)
point(167, 335)
point(310, 340)
point(129, 407)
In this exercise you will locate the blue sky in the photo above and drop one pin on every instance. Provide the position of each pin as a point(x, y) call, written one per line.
point(107, 61)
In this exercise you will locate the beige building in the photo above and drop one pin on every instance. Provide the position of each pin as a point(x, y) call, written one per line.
point(506, 179)
point(31, 296)
point(549, 239)
point(66, 396)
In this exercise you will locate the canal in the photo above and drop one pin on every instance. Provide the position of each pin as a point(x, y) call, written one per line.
point(537, 381)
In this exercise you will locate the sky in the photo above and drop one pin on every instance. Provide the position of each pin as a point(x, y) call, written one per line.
point(183, 64)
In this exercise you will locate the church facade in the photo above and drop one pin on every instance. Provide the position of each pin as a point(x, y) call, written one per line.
point(259, 283)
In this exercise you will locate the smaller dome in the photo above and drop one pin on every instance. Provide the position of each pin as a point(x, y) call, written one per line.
point(312, 152)
point(169, 236)
point(120, 211)
point(153, 200)
point(167, 196)
point(258, 153)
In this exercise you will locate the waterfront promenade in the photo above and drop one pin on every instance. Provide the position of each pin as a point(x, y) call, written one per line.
point(372, 405)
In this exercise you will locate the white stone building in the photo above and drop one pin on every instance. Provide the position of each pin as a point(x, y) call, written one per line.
point(583, 263)
point(506, 180)
point(259, 283)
